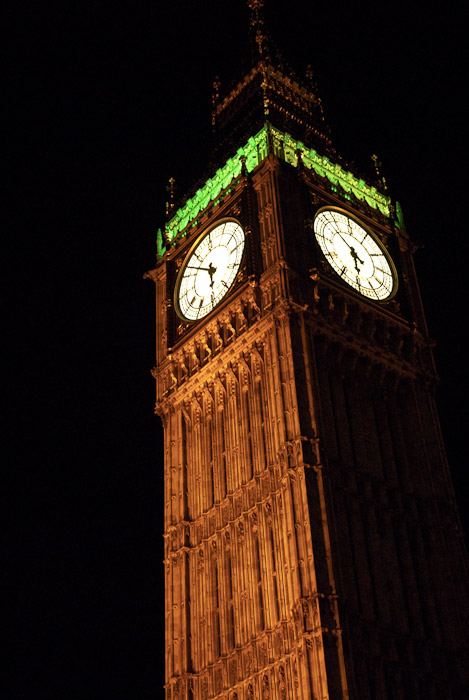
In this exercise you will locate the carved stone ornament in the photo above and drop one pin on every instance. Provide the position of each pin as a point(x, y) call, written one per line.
point(233, 666)
point(297, 617)
point(262, 655)
point(220, 400)
point(218, 677)
point(265, 688)
point(248, 662)
point(200, 563)
point(282, 686)
point(278, 643)
point(295, 674)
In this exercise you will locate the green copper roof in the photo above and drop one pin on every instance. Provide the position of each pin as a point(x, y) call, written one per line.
point(255, 150)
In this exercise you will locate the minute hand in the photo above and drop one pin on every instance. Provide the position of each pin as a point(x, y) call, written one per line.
point(341, 236)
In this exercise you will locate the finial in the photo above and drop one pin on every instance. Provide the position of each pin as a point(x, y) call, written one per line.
point(170, 188)
point(244, 170)
point(380, 177)
point(257, 26)
point(400, 217)
point(310, 77)
point(215, 97)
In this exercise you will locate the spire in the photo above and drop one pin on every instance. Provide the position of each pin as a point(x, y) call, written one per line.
point(257, 29)
point(268, 91)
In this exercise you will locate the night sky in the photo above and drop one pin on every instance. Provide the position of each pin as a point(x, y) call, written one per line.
point(108, 101)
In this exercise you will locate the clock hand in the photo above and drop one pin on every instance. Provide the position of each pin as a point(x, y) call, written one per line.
point(341, 236)
point(211, 272)
point(353, 253)
point(355, 257)
point(197, 267)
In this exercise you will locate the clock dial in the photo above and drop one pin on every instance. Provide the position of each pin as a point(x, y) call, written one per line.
point(355, 254)
point(209, 270)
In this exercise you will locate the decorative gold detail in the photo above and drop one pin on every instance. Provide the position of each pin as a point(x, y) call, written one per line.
point(170, 205)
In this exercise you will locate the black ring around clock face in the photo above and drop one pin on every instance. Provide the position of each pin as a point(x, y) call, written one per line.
point(355, 254)
point(209, 270)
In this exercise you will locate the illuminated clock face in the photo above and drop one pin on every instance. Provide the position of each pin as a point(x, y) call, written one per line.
point(355, 254)
point(209, 270)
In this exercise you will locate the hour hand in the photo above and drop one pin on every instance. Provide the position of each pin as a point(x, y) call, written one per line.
point(211, 272)
point(198, 267)
point(355, 258)
point(210, 269)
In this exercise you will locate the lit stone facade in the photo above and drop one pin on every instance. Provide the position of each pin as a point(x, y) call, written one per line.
point(311, 537)
point(243, 608)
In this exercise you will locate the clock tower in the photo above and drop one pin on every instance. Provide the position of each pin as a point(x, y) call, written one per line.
point(312, 543)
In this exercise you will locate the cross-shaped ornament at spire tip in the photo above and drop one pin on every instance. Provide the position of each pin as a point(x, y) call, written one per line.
point(257, 24)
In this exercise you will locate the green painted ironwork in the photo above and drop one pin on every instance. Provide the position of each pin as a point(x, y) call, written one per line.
point(400, 223)
point(254, 152)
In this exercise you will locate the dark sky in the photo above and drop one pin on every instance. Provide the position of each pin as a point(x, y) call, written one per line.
point(108, 101)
